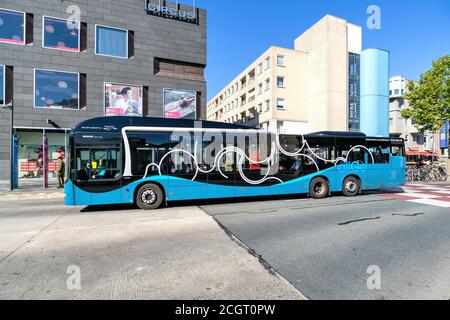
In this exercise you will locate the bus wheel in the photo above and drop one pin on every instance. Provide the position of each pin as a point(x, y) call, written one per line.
point(149, 196)
point(318, 188)
point(351, 186)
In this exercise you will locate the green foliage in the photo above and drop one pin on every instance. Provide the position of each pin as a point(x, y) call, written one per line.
point(429, 99)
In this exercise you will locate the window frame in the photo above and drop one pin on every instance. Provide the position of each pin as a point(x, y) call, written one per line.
point(284, 104)
point(4, 85)
point(57, 71)
point(284, 61)
point(267, 83)
point(24, 40)
point(62, 19)
point(107, 55)
point(267, 63)
point(282, 80)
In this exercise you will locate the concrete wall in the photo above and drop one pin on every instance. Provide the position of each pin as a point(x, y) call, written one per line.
point(326, 44)
point(154, 37)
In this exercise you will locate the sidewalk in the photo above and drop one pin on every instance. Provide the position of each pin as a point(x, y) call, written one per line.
point(30, 189)
point(172, 253)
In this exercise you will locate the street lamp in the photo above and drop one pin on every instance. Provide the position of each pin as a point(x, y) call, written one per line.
point(10, 106)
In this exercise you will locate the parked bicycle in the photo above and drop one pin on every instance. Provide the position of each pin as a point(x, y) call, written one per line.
point(426, 173)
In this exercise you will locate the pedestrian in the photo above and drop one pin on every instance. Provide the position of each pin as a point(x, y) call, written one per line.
point(61, 171)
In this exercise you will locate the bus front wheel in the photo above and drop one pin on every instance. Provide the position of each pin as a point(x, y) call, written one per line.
point(351, 186)
point(149, 196)
point(319, 188)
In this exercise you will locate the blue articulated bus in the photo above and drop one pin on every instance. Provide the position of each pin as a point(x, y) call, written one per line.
point(152, 161)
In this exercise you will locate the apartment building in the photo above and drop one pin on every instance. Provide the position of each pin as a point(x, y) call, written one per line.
point(313, 87)
point(406, 128)
point(259, 96)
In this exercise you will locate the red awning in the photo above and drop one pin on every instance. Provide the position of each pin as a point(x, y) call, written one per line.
point(422, 153)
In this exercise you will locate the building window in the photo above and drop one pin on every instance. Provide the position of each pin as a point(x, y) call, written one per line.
point(111, 42)
point(61, 34)
point(2, 85)
point(267, 84)
point(260, 88)
point(260, 108)
point(354, 84)
point(280, 82)
point(280, 61)
point(259, 69)
point(267, 105)
point(56, 89)
point(12, 26)
point(396, 91)
point(267, 63)
point(280, 103)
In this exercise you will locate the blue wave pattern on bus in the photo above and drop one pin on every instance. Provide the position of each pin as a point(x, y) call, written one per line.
point(379, 175)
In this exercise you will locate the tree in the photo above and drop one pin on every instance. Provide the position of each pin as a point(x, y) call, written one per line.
point(429, 98)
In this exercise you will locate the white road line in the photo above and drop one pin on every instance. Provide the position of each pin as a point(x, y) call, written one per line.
point(432, 202)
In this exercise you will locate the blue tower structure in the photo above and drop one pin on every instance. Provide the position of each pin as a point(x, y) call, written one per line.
point(375, 92)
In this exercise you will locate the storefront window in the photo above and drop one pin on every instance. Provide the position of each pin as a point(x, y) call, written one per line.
point(12, 26)
point(56, 89)
point(111, 42)
point(61, 34)
point(30, 155)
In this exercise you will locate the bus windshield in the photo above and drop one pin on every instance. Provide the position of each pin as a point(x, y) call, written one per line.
point(101, 162)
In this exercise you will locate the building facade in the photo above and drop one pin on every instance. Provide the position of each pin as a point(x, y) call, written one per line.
point(67, 61)
point(406, 128)
point(315, 86)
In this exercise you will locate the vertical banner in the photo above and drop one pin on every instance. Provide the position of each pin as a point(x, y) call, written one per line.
point(45, 161)
point(15, 161)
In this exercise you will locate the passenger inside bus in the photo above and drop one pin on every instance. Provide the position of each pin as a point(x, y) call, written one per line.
point(379, 157)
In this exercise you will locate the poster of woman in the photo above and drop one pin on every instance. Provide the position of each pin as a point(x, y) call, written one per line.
point(180, 104)
point(123, 100)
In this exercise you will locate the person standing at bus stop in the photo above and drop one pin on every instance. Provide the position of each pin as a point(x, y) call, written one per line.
point(61, 171)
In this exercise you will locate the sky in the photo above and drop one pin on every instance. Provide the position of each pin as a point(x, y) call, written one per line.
point(415, 32)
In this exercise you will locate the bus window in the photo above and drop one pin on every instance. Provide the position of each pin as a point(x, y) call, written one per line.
point(357, 153)
point(380, 154)
point(148, 148)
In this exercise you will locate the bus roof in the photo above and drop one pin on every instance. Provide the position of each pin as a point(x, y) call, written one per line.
point(116, 123)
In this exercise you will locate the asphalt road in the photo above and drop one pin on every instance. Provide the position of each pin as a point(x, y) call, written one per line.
point(325, 247)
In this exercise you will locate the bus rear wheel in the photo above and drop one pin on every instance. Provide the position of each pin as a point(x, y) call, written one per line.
point(351, 186)
point(319, 188)
point(149, 197)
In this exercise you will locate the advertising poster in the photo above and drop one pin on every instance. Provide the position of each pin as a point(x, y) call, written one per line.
point(123, 100)
point(180, 104)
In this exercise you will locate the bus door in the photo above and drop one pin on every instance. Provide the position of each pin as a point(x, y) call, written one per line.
point(379, 169)
point(221, 180)
point(185, 181)
point(253, 173)
point(356, 161)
